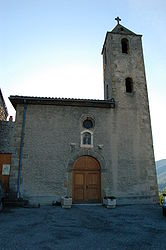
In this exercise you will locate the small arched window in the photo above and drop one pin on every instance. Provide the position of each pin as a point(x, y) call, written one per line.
point(86, 138)
point(125, 46)
point(129, 85)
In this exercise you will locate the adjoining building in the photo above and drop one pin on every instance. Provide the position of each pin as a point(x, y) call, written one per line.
point(3, 108)
point(88, 149)
point(6, 143)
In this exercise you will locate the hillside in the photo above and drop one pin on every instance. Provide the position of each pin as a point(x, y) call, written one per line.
point(161, 173)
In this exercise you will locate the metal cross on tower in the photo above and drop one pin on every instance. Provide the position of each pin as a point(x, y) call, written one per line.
point(117, 19)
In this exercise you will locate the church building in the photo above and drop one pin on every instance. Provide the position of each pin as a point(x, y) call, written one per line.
point(89, 149)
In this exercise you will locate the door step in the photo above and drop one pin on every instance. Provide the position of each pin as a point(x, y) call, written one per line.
point(86, 204)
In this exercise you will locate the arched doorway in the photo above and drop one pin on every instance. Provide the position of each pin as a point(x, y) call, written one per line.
point(86, 180)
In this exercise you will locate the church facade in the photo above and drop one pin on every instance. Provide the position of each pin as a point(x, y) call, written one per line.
point(89, 149)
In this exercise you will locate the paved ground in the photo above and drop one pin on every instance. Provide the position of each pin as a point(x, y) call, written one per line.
point(83, 227)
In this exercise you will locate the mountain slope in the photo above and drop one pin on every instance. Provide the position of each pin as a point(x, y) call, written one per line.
point(161, 173)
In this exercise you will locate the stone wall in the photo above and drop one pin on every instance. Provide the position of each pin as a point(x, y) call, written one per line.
point(2, 114)
point(50, 133)
point(52, 141)
point(6, 136)
point(3, 108)
point(136, 172)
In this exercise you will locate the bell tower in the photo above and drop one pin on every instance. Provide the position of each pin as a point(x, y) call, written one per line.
point(123, 65)
point(125, 81)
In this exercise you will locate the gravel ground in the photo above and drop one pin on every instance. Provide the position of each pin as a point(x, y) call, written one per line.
point(132, 227)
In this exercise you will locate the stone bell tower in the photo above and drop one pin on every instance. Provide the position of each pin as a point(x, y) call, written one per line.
point(125, 81)
point(124, 72)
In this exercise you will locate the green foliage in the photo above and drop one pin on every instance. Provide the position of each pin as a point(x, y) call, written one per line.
point(161, 195)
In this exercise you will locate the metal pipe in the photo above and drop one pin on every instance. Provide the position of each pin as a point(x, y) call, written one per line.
point(21, 150)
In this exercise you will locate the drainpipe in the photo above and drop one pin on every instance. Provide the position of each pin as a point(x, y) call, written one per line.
point(21, 150)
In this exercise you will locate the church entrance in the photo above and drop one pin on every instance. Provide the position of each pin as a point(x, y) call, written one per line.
point(86, 180)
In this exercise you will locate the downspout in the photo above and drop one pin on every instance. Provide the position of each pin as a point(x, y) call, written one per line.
point(21, 150)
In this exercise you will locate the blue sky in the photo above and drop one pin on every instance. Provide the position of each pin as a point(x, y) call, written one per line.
point(53, 48)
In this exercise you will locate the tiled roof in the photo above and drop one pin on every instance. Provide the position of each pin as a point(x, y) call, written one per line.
point(60, 101)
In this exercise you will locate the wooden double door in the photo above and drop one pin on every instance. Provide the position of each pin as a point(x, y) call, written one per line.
point(86, 180)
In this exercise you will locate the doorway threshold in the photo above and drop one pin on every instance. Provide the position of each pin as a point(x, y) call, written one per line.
point(87, 204)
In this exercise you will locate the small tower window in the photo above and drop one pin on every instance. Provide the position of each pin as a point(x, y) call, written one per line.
point(105, 56)
point(129, 85)
point(125, 46)
point(107, 93)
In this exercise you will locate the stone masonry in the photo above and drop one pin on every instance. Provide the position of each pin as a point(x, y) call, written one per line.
point(3, 108)
point(6, 136)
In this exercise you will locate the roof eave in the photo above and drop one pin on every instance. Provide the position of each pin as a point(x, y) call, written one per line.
point(15, 100)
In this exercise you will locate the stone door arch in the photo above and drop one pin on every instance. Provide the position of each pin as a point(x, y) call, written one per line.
point(86, 180)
